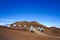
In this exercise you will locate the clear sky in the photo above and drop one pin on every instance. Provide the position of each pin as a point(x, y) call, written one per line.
point(46, 12)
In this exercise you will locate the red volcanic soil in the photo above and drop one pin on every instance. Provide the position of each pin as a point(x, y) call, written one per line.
point(53, 31)
point(12, 34)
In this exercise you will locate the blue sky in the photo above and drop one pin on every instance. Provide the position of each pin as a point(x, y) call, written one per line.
point(46, 12)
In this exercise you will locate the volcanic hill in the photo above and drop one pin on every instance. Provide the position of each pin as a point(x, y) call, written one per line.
point(9, 33)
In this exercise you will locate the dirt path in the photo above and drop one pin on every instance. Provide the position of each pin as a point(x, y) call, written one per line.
point(40, 33)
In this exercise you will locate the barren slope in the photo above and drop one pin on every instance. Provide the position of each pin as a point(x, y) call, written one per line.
point(9, 34)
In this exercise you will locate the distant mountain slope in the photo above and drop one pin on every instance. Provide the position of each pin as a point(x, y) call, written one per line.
point(28, 24)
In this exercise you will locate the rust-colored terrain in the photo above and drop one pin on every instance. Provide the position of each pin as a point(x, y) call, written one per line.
point(9, 33)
